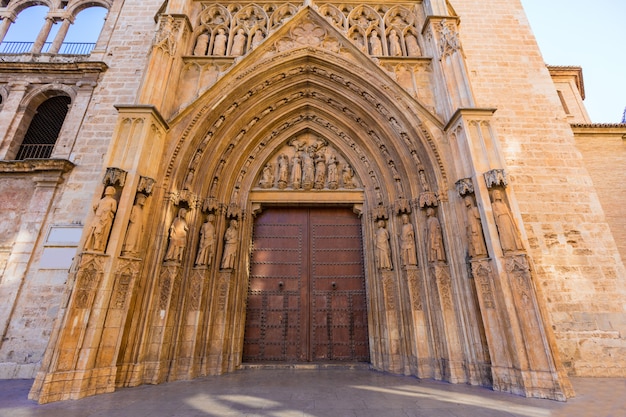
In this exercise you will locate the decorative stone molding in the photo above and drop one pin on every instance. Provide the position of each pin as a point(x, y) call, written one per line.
point(495, 177)
point(415, 292)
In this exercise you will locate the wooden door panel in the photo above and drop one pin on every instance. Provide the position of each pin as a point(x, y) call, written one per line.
point(307, 288)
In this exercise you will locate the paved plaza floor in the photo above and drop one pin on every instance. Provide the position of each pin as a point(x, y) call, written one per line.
point(318, 393)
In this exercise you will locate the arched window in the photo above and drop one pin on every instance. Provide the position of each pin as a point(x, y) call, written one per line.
point(22, 33)
point(87, 25)
point(44, 129)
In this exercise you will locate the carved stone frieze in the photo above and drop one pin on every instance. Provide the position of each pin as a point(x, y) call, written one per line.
point(389, 290)
point(195, 290)
point(167, 34)
point(169, 274)
point(88, 277)
point(482, 273)
point(223, 289)
point(125, 274)
point(307, 162)
point(415, 292)
point(441, 274)
point(519, 272)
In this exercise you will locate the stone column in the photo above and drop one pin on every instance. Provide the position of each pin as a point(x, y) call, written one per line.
point(58, 40)
point(140, 132)
point(43, 35)
point(420, 323)
point(476, 152)
point(442, 41)
point(11, 116)
point(6, 19)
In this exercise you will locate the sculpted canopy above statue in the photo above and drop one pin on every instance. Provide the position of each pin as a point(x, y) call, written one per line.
point(307, 162)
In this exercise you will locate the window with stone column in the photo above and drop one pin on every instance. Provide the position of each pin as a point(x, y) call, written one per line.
point(72, 28)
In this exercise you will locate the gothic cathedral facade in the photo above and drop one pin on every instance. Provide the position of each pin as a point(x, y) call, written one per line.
point(395, 183)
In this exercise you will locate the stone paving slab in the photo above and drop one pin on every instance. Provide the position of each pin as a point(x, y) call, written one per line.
point(324, 392)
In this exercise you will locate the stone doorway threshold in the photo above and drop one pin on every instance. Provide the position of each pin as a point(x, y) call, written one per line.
point(307, 365)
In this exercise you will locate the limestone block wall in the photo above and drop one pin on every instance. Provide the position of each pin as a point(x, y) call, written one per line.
point(124, 47)
point(575, 256)
point(604, 157)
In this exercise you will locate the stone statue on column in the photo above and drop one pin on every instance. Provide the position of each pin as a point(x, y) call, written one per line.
point(231, 243)
point(134, 232)
point(178, 237)
point(509, 236)
point(435, 238)
point(383, 249)
point(407, 242)
point(207, 242)
point(475, 237)
point(100, 226)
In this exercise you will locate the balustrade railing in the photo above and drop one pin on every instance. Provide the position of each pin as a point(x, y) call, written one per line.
point(34, 151)
point(67, 48)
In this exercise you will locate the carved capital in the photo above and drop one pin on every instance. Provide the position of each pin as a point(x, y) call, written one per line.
point(402, 206)
point(145, 185)
point(464, 186)
point(495, 177)
point(114, 176)
point(427, 199)
point(380, 213)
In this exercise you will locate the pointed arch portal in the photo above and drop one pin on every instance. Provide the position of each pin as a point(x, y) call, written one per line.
point(306, 120)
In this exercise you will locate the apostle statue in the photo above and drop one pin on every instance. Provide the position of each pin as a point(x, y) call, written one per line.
point(231, 242)
point(100, 226)
point(435, 238)
point(407, 242)
point(383, 250)
point(509, 236)
point(475, 237)
point(207, 242)
point(135, 228)
point(178, 237)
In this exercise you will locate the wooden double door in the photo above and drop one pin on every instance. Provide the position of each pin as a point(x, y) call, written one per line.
point(306, 296)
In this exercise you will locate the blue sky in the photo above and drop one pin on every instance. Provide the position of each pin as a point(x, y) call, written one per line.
point(590, 34)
